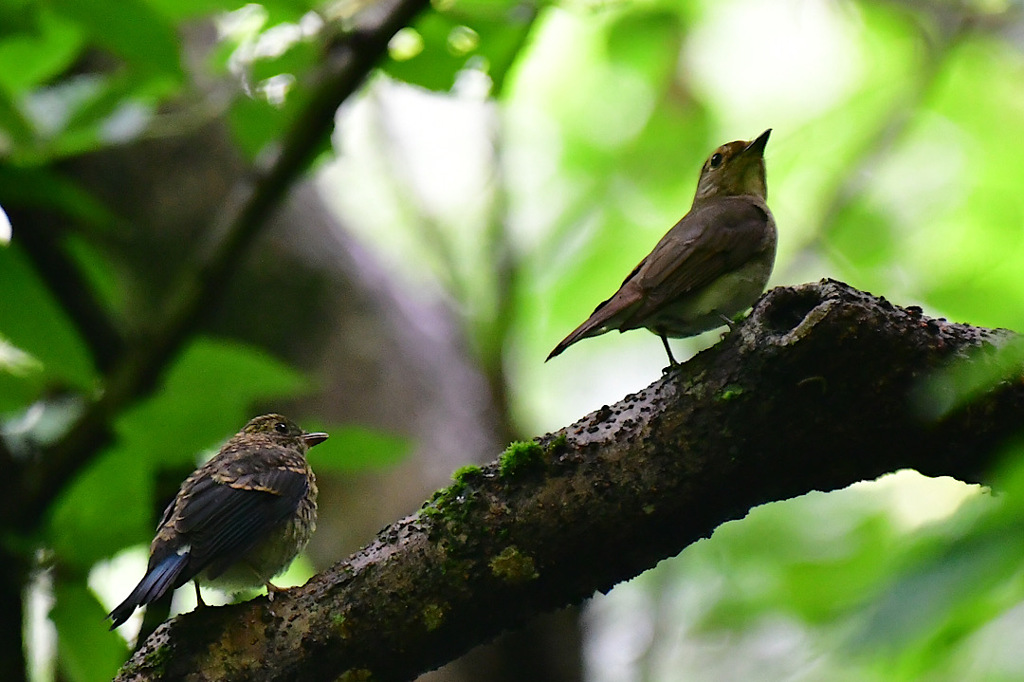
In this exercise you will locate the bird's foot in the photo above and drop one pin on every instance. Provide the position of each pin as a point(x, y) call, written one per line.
point(732, 324)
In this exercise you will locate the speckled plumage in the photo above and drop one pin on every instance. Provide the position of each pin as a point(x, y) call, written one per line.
point(239, 519)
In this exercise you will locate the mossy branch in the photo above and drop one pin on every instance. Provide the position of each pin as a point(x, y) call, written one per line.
point(820, 387)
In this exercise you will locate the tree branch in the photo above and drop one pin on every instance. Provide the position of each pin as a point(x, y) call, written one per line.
point(820, 387)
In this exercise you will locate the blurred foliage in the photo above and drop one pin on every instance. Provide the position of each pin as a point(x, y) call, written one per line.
point(905, 578)
point(34, 323)
point(517, 159)
point(883, 171)
point(81, 76)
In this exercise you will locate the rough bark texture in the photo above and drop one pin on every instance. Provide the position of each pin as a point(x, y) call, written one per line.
point(820, 387)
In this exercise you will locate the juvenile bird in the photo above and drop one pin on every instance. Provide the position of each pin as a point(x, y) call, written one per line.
point(712, 264)
point(239, 519)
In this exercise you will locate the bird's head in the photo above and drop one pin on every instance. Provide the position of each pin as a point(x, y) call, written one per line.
point(284, 430)
point(734, 169)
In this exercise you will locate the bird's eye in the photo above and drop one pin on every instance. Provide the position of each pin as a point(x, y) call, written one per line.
point(716, 160)
point(281, 427)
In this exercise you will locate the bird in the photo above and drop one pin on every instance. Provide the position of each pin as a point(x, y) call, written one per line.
point(239, 519)
point(713, 263)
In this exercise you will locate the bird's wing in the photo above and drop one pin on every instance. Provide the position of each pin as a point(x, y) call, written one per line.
point(225, 515)
point(706, 243)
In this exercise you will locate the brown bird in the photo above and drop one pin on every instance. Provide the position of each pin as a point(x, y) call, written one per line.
point(712, 264)
point(239, 519)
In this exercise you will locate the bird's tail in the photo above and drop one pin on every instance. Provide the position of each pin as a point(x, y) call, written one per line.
point(153, 585)
point(592, 327)
point(611, 314)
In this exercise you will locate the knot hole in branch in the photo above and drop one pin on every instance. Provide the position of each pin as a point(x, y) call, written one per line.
point(784, 308)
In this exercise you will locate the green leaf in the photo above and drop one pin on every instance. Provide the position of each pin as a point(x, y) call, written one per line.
point(32, 320)
point(99, 270)
point(256, 123)
point(357, 448)
point(15, 126)
point(129, 28)
point(489, 35)
point(43, 188)
point(928, 598)
point(277, 10)
point(21, 378)
point(207, 395)
point(38, 52)
point(85, 650)
point(434, 67)
point(966, 378)
point(298, 59)
point(88, 523)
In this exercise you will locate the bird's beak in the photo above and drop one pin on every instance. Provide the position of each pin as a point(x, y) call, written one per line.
point(759, 143)
point(314, 438)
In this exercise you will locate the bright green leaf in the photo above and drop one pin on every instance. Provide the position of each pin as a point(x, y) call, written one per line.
point(31, 57)
point(88, 508)
point(207, 395)
point(32, 320)
point(131, 29)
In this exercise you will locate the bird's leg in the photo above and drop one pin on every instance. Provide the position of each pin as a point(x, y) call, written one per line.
point(672, 364)
point(272, 589)
point(199, 597)
point(728, 321)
